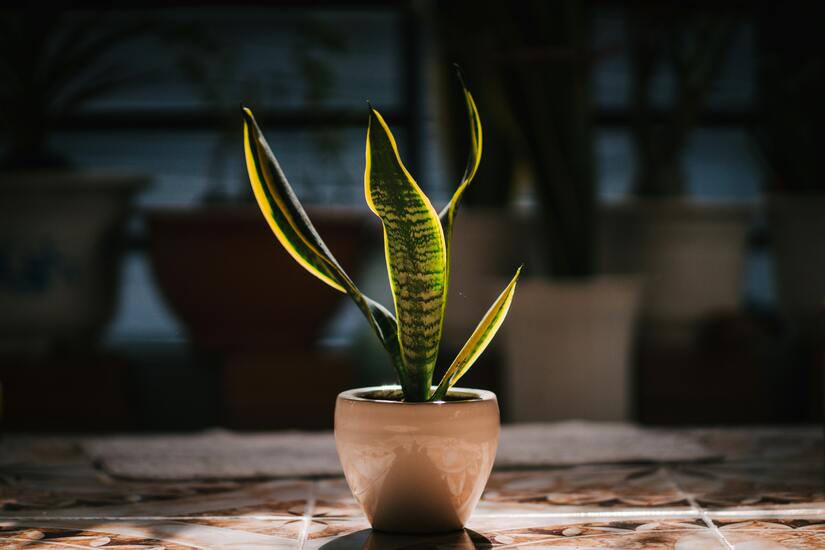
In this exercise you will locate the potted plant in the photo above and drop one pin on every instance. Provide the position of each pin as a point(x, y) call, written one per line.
point(791, 83)
point(692, 253)
point(416, 456)
point(59, 263)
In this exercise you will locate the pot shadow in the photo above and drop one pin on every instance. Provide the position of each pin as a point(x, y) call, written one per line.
point(406, 490)
point(368, 539)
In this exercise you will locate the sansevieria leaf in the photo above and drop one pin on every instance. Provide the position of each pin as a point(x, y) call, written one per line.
point(415, 252)
point(282, 209)
point(479, 340)
point(296, 233)
point(416, 246)
point(448, 213)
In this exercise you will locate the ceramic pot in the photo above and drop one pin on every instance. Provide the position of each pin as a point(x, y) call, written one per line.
point(484, 249)
point(416, 467)
point(691, 253)
point(196, 251)
point(568, 346)
point(61, 241)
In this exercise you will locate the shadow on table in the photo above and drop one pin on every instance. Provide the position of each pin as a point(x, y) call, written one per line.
point(368, 539)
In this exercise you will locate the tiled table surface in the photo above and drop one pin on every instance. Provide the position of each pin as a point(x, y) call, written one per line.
point(770, 495)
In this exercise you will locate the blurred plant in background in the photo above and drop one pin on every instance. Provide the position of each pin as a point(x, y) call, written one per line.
point(51, 66)
point(59, 272)
point(791, 74)
point(788, 132)
point(692, 47)
point(211, 66)
point(533, 65)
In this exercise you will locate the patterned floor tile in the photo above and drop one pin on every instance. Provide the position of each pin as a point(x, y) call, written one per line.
point(81, 491)
point(687, 533)
point(774, 533)
point(648, 537)
point(753, 486)
point(333, 499)
point(137, 534)
point(580, 489)
point(322, 531)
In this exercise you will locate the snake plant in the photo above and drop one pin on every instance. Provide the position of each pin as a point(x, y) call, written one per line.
point(416, 244)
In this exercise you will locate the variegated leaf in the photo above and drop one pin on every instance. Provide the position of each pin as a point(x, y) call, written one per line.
point(283, 211)
point(448, 213)
point(479, 340)
point(415, 252)
point(288, 220)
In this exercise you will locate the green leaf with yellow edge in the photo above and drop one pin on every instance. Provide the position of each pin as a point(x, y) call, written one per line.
point(293, 228)
point(415, 252)
point(479, 340)
point(448, 213)
point(283, 211)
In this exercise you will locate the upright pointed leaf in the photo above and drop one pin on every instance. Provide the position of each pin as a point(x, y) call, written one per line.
point(481, 337)
point(415, 252)
point(448, 213)
point(294, 230)
point(282, 209)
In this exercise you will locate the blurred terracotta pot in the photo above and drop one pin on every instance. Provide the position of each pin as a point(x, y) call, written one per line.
point(416, 467)
point(232, 284)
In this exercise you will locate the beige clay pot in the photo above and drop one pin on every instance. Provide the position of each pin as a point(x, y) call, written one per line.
point(416, 467)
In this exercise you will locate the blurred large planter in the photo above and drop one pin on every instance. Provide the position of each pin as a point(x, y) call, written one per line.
point(692, 254)
point(234, 286)
point(797, 226)
point(485, 248)
point(61, 239)
point(568, 349)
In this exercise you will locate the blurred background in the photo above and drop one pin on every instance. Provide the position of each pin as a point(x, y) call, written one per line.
point(654, 165)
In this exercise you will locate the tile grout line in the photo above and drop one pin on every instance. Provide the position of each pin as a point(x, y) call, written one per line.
point(309, 511)
point(694, 504)
point(264, 517)
point(768, 513)
point(712, 526)
point(545, 541)
point(630, 513)
point(692, 512)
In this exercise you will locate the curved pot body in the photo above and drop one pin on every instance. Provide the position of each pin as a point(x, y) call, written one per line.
point(417, 467)
point(195, 255)
point(691, 253)
point(61, 240)
point(568, 346)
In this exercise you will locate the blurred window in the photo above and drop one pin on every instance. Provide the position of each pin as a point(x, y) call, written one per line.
point(306, 72)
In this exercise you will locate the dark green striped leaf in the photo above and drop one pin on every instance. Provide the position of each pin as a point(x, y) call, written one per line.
point(415, 252)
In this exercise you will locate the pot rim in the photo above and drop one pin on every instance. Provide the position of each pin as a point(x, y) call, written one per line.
point(354, 394)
